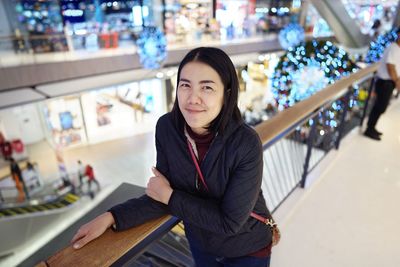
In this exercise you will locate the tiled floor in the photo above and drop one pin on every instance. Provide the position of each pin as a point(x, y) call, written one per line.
point(347, 217)
point(124, 160)
point(350, 216)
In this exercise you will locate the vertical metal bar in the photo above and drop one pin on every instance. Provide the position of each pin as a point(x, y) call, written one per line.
point(342, 119)
point(299, 152)
point(284, 179)
point(269, 180)
point(281, 191)
point(311, 137)
point(1, 196)
point(163, 4)
point(83, 119)
point(290, 162)
point(371, 86)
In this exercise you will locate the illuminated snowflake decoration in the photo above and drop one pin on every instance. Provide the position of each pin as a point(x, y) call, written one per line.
point(292, 35)
point(377, 47)
point(306, 69)
point(152, 47)
point(307, 81)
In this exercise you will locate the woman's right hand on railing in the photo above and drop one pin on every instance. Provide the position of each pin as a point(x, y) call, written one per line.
point(92, 230)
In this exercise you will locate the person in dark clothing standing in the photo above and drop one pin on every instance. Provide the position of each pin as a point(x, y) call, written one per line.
point(388, 78)
point(81, 173)
point(16, 174)
point(208, 173)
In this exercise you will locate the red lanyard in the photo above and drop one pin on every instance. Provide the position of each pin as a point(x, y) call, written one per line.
point(252, 214)
point(196, 164)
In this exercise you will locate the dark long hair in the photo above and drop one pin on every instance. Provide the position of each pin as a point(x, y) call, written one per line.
point(222, 64)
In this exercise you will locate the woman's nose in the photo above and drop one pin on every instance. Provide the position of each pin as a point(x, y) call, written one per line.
point(194, 97)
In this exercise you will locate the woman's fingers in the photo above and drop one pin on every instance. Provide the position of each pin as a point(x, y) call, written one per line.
point(81, 242)
point(78, 236)
point(156, 172)
point(92, 230)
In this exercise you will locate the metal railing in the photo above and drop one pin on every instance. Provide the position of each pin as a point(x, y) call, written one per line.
point(297, 139)
point(292, 148)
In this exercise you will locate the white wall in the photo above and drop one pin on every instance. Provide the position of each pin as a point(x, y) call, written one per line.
point(22, 123)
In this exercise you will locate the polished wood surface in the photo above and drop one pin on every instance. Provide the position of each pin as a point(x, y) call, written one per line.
point(107, 249)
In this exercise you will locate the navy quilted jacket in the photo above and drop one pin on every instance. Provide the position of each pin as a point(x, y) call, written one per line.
point(217, 220)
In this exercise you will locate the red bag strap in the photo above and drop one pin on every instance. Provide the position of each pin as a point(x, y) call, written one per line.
point(196, 164)
point(260, 218)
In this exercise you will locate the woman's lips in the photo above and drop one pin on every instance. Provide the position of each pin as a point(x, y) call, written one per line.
point(193, 111)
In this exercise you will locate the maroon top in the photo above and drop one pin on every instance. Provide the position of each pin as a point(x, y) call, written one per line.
point(203, 142)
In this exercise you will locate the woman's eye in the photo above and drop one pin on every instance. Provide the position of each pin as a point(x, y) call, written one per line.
point(185, 85)
point(208, 88)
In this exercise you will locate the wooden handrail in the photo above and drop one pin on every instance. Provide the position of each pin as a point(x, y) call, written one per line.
point(285, 119)
point(107, 249)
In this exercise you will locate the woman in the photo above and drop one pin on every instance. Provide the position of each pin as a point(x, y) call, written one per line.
point(214, 202)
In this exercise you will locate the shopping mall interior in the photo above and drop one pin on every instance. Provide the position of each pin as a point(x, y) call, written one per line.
point(84, 82)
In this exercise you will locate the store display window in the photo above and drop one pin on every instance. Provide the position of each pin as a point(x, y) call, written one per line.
point(62, 25)
point(236, 18)
point(273, 15)
point(188, 20)
point(64, 120)
point(123, 110)
point(42, 22)
point(256, 101)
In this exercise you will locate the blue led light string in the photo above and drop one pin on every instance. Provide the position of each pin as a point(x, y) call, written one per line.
point(377, 47)
point(307, 68)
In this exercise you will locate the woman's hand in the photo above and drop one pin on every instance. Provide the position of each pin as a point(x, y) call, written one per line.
point(92, 230)
point(158, 187)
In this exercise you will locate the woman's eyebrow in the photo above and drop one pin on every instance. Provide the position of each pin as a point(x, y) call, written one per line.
point(203, 81)
point(207, 81)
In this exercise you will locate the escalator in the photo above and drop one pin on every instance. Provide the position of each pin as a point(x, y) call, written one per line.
point(168, 247)
point(21, 222)
point(172, 250)
point(59, 203)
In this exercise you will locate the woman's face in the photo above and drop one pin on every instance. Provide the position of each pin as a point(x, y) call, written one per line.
point(200, 95)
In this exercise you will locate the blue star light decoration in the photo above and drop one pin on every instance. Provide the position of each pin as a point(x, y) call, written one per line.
point(292, 35)
point(152, 47)
point(377, 47)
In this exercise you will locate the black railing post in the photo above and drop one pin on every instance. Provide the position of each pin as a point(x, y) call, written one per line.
point(310, 141)
point(343, 118)
point(371, 86)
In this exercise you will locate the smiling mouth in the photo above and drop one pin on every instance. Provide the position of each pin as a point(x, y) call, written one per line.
point(193, 111)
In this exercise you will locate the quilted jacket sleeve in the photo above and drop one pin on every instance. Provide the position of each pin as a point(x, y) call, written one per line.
point(140, 210)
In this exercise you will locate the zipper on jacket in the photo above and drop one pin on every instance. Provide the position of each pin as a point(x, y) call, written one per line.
point(197, 182)
point(212, 142)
